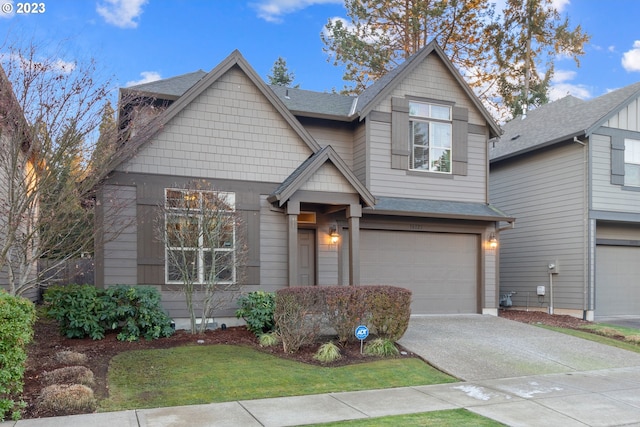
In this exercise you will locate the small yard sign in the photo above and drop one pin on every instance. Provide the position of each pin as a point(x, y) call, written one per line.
point(362, 332)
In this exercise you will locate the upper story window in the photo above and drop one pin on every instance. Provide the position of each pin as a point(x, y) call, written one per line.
point(200, 234)
point(430, 137)
point(632, 162)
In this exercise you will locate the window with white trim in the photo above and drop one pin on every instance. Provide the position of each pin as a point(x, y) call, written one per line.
point(430, 137)
point(200, 231)
point(632, 162)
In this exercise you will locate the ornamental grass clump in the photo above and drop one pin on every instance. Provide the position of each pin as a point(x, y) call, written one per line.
point(70, 375)
point(68, 357)
point(268, 340)
point(381, 347)
point(327, 353)
point(66, 400)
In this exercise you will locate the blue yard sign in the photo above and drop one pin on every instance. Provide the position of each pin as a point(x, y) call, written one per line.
point(362, 332)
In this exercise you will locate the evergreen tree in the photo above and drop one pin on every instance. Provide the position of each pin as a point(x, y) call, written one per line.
point(280, 74)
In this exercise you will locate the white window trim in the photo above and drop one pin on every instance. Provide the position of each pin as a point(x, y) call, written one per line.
point(200, 250)
point(429, 119)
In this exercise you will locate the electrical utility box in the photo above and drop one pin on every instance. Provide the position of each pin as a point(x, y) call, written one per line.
point(541, 291)
point(553, 266)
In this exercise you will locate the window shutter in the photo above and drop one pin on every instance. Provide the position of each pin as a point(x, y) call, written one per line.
point(617, 160)
point(399, 133)
point(460, 142)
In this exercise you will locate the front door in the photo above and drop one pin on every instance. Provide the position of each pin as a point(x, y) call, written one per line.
point(306, 257)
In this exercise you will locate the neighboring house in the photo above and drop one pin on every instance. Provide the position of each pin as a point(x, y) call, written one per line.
point(390, 187)
point(16, 164)
point(570, 173)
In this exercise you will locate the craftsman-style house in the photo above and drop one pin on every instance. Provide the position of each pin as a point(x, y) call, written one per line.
point(389, 187)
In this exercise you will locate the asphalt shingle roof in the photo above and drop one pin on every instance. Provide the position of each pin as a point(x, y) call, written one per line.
point(173, 86)
point(321, 103)
point(559, 121)
point(437, 208)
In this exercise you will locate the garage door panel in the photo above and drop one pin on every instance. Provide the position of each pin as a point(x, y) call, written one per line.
point(441, 269)
point(617, 281)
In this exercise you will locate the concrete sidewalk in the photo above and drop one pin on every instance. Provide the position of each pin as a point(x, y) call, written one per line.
point(517, 374)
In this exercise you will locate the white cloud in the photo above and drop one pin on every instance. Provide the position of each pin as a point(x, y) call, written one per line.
point(560, 5)
point(631, 58)
point(274, 10)
point(561, 86)
point(147, 77)
point(121, 13)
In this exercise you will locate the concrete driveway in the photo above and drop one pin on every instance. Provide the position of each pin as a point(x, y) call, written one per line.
point(481, 347)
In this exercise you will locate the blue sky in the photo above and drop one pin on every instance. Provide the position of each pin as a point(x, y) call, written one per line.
point(143, 40)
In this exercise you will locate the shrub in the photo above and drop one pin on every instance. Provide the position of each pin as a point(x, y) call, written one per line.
point(80, 311)
point(83, 310)
point(269, 340)
point(327, 353)
point(390, 310)
point(345, 310)
point(256, 308)
point(139, 310)
point(382, 347)
point(297, 316)
point(70, 375)
point(17, 316)
point(66, 400)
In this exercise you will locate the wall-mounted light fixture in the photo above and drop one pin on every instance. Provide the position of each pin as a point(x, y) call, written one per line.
point(493, 241)
point(333, 233)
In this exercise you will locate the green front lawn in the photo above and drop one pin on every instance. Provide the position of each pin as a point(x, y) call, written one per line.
point(448, 418)
point(220, 373)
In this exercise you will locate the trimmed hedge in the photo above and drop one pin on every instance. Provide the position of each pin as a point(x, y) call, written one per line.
point(301, 312)
point(17, 316)
point(83, 310)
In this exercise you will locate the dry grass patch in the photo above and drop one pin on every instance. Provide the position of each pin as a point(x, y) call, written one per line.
point(69, 357)
point(633, 339)
point(70, 375)
point(66, 400)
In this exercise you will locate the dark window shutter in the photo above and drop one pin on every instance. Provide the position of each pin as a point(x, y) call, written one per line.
point(399, 133)
point(460, 143)
point(617, 160)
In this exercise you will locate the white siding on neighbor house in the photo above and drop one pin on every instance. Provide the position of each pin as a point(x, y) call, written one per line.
point(340, 138)
point(328, 178)
point(628, 118)
point(120, 231)
point(546, 192)
point(273, 247)
point(606, 196)
point(230, 131)
point(431, 79)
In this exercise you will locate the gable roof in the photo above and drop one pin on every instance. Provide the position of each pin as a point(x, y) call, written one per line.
point(316, 104)
point(235, 59)
point(559, 121)
point(387, 83)
point(309, 167)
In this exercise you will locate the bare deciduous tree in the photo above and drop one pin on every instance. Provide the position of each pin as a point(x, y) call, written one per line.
point(51, 110)
point(200, 230)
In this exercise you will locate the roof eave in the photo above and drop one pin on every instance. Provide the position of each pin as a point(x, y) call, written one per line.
point(565, 138)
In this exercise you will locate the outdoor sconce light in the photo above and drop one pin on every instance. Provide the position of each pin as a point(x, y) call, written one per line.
point(333, 233)
point(493, 241)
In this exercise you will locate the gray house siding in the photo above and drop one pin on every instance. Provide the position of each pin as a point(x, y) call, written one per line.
point(119, 253)
point(433, 81)
point(546, 191)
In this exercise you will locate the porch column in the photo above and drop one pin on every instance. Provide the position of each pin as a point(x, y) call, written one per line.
point(293, 210)
point(354, 212)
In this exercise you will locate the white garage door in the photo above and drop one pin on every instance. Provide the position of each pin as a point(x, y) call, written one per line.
point(617, 281)
point(441, 269)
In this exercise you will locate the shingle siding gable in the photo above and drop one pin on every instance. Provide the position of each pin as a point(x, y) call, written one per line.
point(230, 131)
